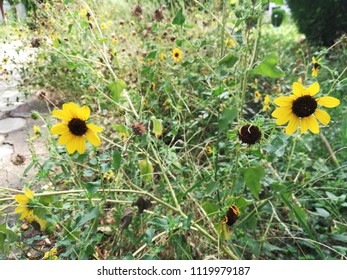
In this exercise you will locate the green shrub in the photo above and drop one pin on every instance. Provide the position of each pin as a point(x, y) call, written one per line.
point(277, 17)
point(321, 21)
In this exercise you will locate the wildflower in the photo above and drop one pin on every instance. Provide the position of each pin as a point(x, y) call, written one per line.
point(109, 175)
point(267, 101)
point(301, 110)
point(230, 43)
point(209, 150)
point(231, 215)
point(32, 219)
point(177, 55)
point(103, 26)
point(51, 254)
point(47, 7)
point(316, 67)
point(162, 56)
point(37, 131)
point(249, 134)
point(114, 40)
point(257, 96)
point(152, 86)
point(26, 202)
point(74, 128)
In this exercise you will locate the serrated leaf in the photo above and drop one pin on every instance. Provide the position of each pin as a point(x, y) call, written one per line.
point(157, 127)
point(146, 170)
point(179, 18)
point(252, 177)
point(229, 60)
point(268, 67)
point(92, 214)
point(226, 117)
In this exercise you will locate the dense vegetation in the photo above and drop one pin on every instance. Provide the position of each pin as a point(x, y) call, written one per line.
point(192, 164)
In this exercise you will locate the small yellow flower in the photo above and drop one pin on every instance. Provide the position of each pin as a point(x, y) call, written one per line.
point(109, 175)
point(37, 131)
point(26, 204)
point(315, 67)
point(47, 7)
point(103, 26)
point(177, 55)
point(162, 56)
point(300, 109)
point(114, 40)
point(209, 150)
point(230, 43)
point(74, 128)
point(153, 86)
point(51, 254)
point(267, 101)
point(150, 61)
point(257, 96)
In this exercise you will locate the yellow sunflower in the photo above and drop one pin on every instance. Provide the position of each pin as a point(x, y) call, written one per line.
point(74, 128)
point(316, 67)
point(33, 218)
point(177, 55)
point(26, 202)
point(301, 110)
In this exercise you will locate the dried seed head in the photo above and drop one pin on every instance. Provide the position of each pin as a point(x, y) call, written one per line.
point(158, 15)
point(137, 10)
point(139, 128)
point(18, 160)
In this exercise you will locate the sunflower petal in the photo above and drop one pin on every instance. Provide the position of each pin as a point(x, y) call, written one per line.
point(313, 89)
point(284, 100)
point(313, 124)
point(65, 138)
point(328, 101)
point(298, 89)
point(81, 144)
point(29, 194)
point(21, 199)
point(71, 146)
point(61, 114)
point(304, 125)
point(283, 115)
point(94, 127)
point(93, 138)
point(72, 109)
point(60, 128)
point(84, 113)
point(322, 116)
point(20, 209)
point(293, 124)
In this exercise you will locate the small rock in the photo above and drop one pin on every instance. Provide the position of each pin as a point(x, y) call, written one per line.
point(11, 124)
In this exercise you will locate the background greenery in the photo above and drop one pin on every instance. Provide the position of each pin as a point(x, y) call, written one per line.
point(291, 190)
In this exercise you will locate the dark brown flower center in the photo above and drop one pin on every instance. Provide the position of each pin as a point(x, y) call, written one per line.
point(77, 127)
point(177, 54)
point(249, 134)
point(304, 106)
point(316, 66)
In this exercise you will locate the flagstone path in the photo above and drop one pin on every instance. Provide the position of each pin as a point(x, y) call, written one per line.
point(16, 124)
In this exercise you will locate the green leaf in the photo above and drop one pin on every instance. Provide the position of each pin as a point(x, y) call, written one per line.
point(179, 18)
point(116, 89)
point(122, 130)
point(278, 2)
point(252, 177)
point(7, 237)
point(157, 127)
point(322, 212)
point(117, 159)
point(210, 208)
point(146, 169)
point(92, 214)
point(229, 60)
point(268, 67)
point(226, 117)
